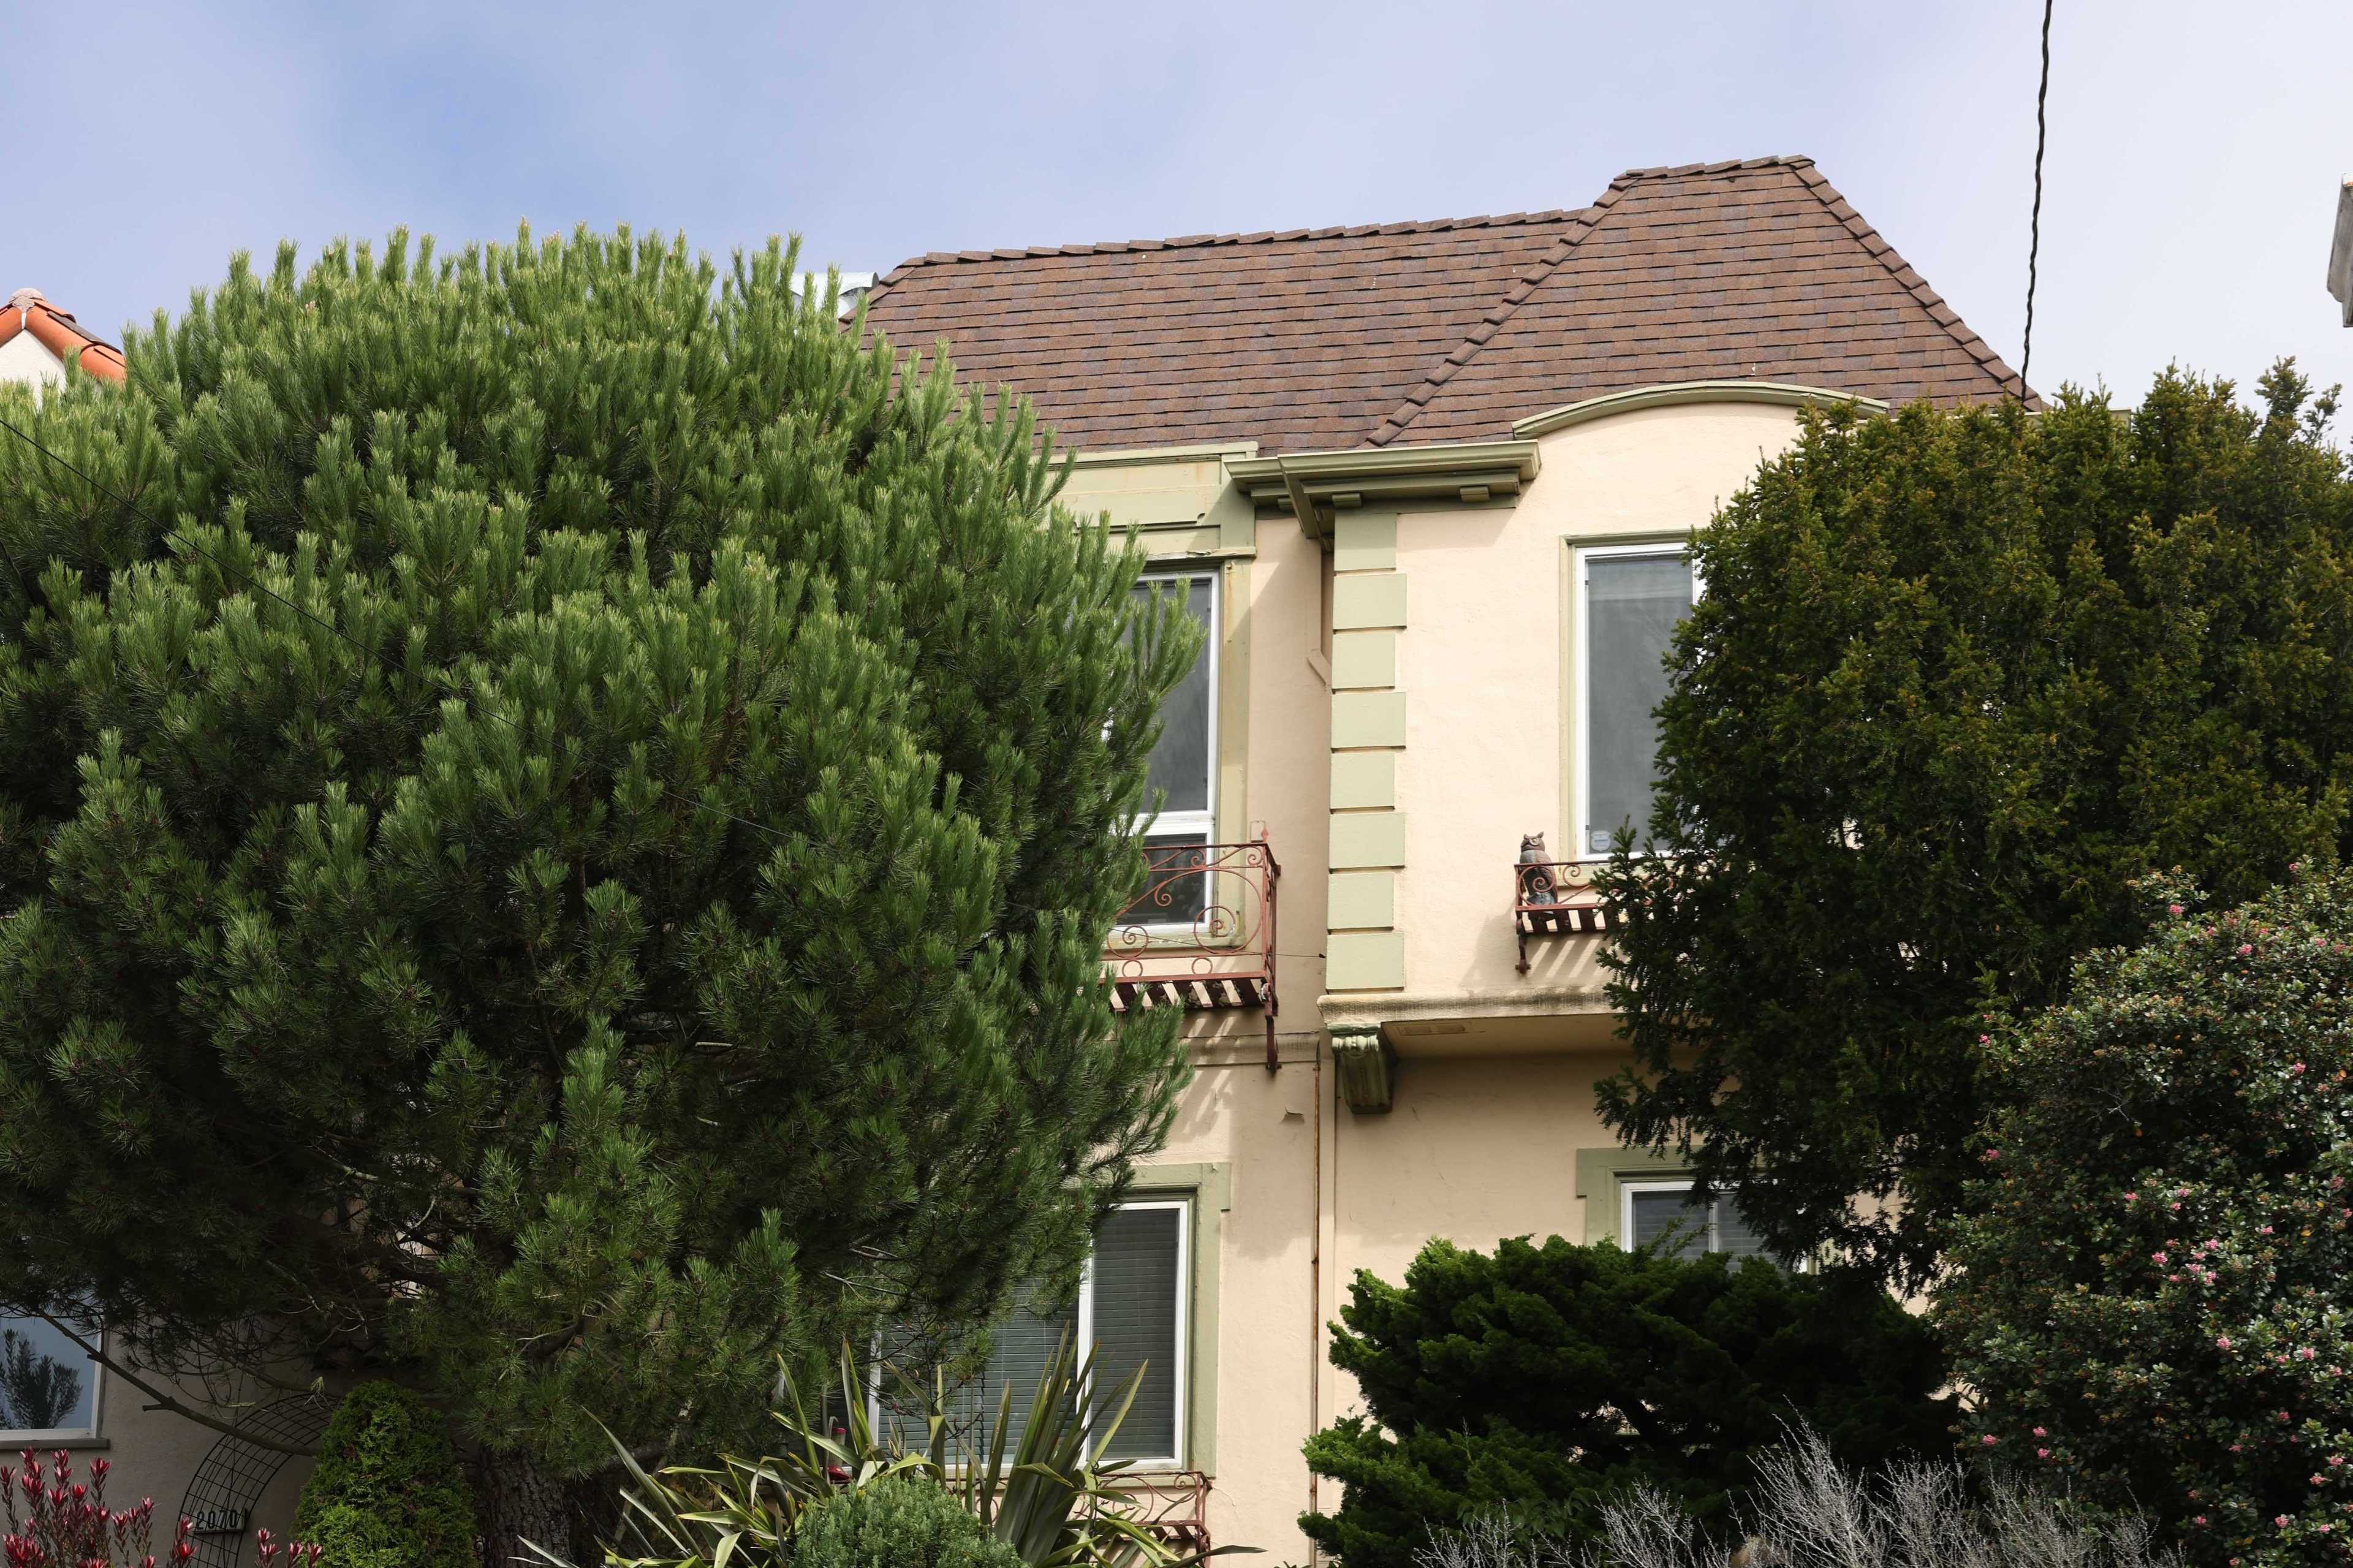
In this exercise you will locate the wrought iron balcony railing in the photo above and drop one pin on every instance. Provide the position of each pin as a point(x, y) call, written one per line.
point(1175, 1508)
point(1201, 936)
point(1556, 898)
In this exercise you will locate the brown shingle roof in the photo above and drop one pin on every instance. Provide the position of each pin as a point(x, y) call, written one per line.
point(1450, 331)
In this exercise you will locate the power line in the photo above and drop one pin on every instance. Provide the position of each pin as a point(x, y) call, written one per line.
point(171, 537)
point(2034, 224)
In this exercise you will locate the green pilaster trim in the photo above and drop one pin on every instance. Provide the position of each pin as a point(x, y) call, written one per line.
point(1367, 840)
point(1365, 660)
point(1364, 542)
point(1365, 1071)
point(1317, 487)
point(1368, 719)
point(1363, 961)
point(1360, 900)
point(1363, 779)
point(1210, 1186)
point(1670, 394)
point(1601, 1178)
point(1368, 601)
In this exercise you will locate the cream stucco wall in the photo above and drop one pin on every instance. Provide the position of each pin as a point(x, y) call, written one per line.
point(24, 358)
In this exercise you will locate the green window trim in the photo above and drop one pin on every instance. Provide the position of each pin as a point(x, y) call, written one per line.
point(1209, 1186)
point(1601, 1178)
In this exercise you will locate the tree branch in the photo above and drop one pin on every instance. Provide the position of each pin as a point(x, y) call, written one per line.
point(165, 1402)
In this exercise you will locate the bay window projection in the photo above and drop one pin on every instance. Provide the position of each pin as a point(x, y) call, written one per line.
point(1629, 599)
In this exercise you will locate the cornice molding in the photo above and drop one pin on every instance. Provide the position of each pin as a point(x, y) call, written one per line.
point(1314, 485)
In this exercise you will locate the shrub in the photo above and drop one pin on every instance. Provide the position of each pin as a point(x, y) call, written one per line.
point(388, 1491)
point(1541, 1379)
point(1809, 1511)
point(2152, 1303)
point(900, 1521)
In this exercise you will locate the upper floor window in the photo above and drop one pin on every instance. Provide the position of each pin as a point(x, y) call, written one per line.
point(1655, 1208)
point(1183, 767)
point(1629, 599)
point(48, 1387)
point(1131, 1311)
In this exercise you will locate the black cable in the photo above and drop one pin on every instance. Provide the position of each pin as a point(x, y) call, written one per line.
point(2034, 224)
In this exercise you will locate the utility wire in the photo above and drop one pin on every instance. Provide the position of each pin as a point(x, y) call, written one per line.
point(2034, 224)
point(366, 653)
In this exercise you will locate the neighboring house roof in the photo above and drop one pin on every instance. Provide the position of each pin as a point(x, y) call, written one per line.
point(1413, 333)
point(27, 312)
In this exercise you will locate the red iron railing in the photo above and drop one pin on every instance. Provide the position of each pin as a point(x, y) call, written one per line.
point(1556, 898)
point(1201, 936)
point(1174, 1508)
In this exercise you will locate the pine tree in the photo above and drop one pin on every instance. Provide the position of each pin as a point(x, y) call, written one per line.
point(558, 815)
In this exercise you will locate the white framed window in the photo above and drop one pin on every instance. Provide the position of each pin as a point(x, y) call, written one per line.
point(1183, 767)
point(1134, 1309)
point(1629, 599)
point(48, 1386)
point(1650, 1210)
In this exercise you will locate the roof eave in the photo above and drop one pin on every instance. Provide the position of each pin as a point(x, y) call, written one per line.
point(2341, 254)
point(1668, 395)
point(1312, 486)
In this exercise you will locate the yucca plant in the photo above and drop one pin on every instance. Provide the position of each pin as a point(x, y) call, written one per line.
point(1051, 1499)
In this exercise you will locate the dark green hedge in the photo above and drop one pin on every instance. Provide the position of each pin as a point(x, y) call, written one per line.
point(1544, 1378)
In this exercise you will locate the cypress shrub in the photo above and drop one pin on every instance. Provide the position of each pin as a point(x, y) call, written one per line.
point(899, 1521)
point(388, 1491)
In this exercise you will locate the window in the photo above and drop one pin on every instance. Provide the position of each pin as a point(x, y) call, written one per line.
point(1654, 1208)
point(1132, 1310)
point(48, 1387)
point(1184, 769)
point(1630, 598)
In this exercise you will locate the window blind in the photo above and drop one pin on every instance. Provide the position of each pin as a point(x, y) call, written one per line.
point(1633, 604)
point(1136, 1268)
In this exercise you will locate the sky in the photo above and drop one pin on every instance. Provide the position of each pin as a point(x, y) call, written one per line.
point(2194, 155)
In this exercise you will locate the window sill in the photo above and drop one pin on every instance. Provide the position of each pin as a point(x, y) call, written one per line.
point(88, 1443)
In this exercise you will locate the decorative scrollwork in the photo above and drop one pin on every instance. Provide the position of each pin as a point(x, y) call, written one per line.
point(1201, 935)
point(1556, 898)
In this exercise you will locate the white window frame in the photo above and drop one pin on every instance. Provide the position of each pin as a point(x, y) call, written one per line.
point(1204, 821)
point(64, 1436)
point(1155, 1463)
point(1182, 1387)
point(1714, 1235)
point(1580, 740)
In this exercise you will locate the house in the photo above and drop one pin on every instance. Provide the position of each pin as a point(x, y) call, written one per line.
point(38, 341)
point(1428, 485)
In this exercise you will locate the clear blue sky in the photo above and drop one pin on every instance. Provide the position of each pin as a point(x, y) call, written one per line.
point(2195, 148)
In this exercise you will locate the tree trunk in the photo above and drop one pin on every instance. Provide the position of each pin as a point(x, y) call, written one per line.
point(516, 1502)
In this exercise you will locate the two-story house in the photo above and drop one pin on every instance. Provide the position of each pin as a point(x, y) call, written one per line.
point(1429, 485)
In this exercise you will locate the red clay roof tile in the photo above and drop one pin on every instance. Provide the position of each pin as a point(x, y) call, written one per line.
point(27, 312)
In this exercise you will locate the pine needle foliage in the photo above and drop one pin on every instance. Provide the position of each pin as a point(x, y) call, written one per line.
point(558, 815)
point(1959, 678)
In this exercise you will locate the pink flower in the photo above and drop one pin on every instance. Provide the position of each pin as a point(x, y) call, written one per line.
point(2245, 948)
point(2199, 1520)
point(1988, 1439)
point(1993, 1154)
point(2173, 910)
point(2041, 1433)
point(2157, 1258)
point(2281, 1522)
point(2297, 1069)
point(2264, 1230)
point(2223, 1342)
point(2307, 1353)
point(1984, 1040)
point(2041, 1453)
point(2130, 1196)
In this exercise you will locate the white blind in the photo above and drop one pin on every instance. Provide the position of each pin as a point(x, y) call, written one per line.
point(1633, 604)
point(1137, 1269)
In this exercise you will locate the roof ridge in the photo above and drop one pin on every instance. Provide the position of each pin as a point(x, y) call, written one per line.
point(1393, 423)
point(1946, 319)
point(1197, 241)
point(28, 311)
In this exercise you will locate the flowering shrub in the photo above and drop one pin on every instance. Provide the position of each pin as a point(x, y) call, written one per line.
point(56, 1521)
point(2150, 1306)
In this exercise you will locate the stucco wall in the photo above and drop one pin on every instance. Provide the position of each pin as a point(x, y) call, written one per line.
point(23, 358)
point(1482, 664)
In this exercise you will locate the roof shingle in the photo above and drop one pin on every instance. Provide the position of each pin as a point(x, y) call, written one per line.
point(1447, 331)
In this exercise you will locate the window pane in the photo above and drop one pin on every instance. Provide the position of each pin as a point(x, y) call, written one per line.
point(1136, 1259)
point(1656, 1212)
point(1181, 762)
point(1020, 1346)
point(46, 1384)
point(1632, 603)
point(1733, 1234)
point(1176, 889)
